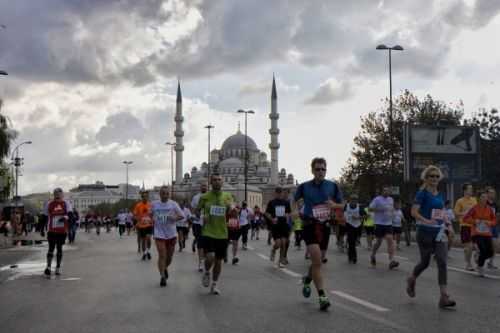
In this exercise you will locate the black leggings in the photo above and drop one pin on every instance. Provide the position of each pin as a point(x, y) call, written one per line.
point(244, 233)
point(56, 240)
point(352, 237)
point(485, 249)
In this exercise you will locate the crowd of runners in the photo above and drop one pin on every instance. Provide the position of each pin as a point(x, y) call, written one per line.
point(221, 228)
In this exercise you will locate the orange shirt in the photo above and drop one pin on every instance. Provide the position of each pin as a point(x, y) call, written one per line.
point(481, 218)
point(142, 210)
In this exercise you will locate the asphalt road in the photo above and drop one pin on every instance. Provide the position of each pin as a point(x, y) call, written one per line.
point(105, 287)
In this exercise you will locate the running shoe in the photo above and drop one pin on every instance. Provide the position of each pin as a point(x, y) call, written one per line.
point(205, 279)
point(47, 272)
point(324, 260)
point(214, 290)
point(163, 282)
point(324, 303)
point(149, 256)
point(306, 288)
point(393, 264)
point(281, 264)
point(469, 268)
point(200, 267)
point(58, 270)
point(410, 287)
point(492, 266)
point(373, 261)
point(446, 302)
point(235, 260)
point(144, 256)
point(272, 256)
point(166, 274)
point(480, 271)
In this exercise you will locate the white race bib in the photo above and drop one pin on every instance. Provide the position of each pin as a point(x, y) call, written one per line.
point(279, 211)
point(322, 213)
point(233, 223)
point(438, 215)
point(483, 226)
point(58, 221)
point(217, 210)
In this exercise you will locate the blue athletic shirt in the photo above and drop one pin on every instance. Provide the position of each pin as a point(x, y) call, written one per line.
point(316, 194)
point(427, 202)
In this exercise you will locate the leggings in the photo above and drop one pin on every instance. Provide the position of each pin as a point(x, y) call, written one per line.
point(244, 233)
point(56, 240)
point(428, 246)
point(352, 237)
point(485, 249)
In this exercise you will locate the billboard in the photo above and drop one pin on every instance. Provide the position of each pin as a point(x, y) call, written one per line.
point(455, 149)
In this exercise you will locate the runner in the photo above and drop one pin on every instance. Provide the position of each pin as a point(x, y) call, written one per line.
point(129, 221)
point(214, 205)
point(256, 223)
point(482, 219)
point(183, 226)
point(397, 223)
point(298, 226)
point(245, 215)
point(144, 224)
point(97, 223)
point(165, 214)
point(369, 226)
point(320, 197)
point(451, 219)
point(494, 230)
point(383, 208)
point(277, 211)
point(354, 215)
point(197, 226)
point(432, 229)
point(234, 232)
point(462, 206)
point(58, 223)
point(122, 222)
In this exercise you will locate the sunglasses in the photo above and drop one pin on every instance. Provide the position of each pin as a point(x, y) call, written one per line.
point(319, 169)
point(433, 176)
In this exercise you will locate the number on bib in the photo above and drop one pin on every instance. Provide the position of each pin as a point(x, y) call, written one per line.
point(483, 226)
point(217, 211)
point(322, 213)
point(279, 211)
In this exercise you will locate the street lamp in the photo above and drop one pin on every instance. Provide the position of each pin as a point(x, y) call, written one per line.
point(390, 49)
point(17, 164)
point(246, 112)
point(127, 163)
point(209, 127)
point(172, 146)
point(3, 73)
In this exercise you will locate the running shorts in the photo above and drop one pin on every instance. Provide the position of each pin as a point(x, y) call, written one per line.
point(280, 230)
point(196, 230)
point(397, 230)
point(382, 230)
point(56, 237)
point(183, 230)
point(233, 234)
point(215, 245)
point(143, 232)
point(465, 234)
point(168, 242)
point(494, 231)
point(370, 230)
point(317, 233)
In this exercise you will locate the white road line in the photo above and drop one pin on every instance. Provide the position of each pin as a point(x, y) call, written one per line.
point(250, 248)
point(402, 258)
point(262, 256)
point(371, 317)
point(71, 279)
point(451, 268)
point(359, 301)
point(291, 273)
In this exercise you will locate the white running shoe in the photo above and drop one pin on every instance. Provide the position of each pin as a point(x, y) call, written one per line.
point(273, 255)
point(205, 279)
point(214, 290)
point(480, 271)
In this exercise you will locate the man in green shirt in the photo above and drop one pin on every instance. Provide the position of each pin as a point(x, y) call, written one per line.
point(214, 205)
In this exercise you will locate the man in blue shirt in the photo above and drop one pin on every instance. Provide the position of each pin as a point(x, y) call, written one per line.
point(321, 198)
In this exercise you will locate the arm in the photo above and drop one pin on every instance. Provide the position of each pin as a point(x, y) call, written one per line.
point(416, 214)
point(470, 217)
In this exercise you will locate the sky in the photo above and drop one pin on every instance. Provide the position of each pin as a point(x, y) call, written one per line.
point(92, 82)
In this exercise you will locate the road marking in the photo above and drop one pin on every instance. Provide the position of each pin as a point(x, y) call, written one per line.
point(262, 256)
point(359, 301)
point(250, 248)
point(371, 317)
point(291, 273)
point(71, 279)
point(402, 258)
point(451, 268)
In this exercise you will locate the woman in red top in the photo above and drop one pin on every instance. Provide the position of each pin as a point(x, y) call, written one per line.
point(481, 217)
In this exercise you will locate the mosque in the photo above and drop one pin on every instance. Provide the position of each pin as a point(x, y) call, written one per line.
point(229, 162)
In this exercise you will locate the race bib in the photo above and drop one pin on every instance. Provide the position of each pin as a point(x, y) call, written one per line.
point(483, 226)
point(163, 217)
point(233, 223)
point(279, 211)
point(58, 221)
point(439, 215)
point(217, 210)
point(322, 213)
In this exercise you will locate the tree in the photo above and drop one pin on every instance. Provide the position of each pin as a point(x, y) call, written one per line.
point(377, 156)
point(7, 135)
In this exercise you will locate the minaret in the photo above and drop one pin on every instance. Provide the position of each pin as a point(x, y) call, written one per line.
point(179, 134)
point(274, 131)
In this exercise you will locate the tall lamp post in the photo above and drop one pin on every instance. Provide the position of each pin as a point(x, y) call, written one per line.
point(127, 163)
point(383, 47)
point(18, 161)
point(3, 73)
point(246, 112)
point(209, 127)
point(172, 146)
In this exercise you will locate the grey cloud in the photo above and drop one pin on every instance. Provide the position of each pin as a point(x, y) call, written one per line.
point(330, 92)
point(121, 128)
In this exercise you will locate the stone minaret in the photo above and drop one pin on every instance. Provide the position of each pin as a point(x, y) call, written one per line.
point(274, 131)
point(179, 134)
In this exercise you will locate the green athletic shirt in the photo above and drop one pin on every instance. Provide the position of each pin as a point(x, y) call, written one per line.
point(214, 206)
point(369, 219)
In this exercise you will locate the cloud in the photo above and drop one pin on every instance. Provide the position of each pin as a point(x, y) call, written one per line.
point(331, 91)
point(265, 86)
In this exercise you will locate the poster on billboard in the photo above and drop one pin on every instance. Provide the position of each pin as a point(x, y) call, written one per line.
point(454, 149)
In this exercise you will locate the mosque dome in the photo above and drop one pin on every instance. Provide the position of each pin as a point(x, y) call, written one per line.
point(237, 141)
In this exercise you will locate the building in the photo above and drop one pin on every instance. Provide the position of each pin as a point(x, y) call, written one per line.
point(229, 162)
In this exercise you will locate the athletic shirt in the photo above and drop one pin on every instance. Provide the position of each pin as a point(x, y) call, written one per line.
point(57, 212)
point(122, 218)
point(462, 206)
point(214, 206)
point(194, 204)
point(315, 196)
point(369, 219)
point(386, 204)
point(184, 223)
point(278, 208)
point(141, 211)
point(245, 213)
point(432, 208)
point(163, 218)
point(353, 215)
point(397, 218)
point(481, 218)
